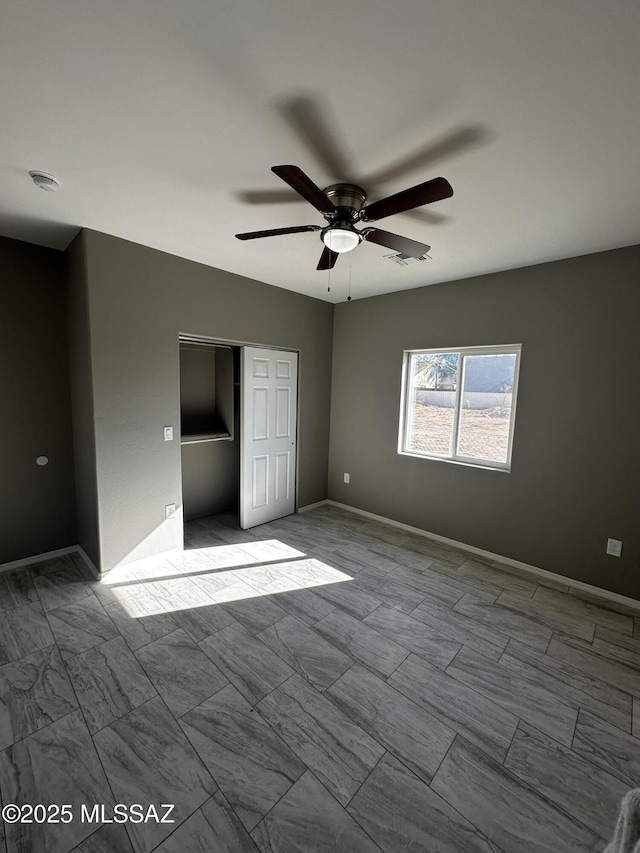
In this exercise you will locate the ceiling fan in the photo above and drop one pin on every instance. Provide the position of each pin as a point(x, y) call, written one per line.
point(343, 205)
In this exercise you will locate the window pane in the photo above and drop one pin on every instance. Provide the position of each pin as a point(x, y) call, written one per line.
point(434, 379)
point(485, 407)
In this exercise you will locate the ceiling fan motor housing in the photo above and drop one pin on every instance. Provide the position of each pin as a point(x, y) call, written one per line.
point(348, 199)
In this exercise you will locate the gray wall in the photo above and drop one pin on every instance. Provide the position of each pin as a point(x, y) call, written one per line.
point(80, 372)
point(575, 476)
point(210, 478)
point(37, 509)
point(140, 300)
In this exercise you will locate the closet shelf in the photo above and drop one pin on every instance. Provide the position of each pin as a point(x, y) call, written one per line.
point(195, 438)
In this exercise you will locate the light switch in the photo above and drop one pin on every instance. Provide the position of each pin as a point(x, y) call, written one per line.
point(168, 433)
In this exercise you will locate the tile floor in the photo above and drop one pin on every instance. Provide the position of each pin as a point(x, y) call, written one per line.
point(319, 683)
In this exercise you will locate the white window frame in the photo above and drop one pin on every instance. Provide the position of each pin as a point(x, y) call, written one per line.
point(406, 414)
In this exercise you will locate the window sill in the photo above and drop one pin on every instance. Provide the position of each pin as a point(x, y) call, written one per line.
point(506, 469)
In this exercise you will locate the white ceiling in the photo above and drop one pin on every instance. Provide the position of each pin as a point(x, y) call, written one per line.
point(158, 115)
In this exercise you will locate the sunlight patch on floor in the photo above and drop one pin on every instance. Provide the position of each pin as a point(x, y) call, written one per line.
point(201, 577)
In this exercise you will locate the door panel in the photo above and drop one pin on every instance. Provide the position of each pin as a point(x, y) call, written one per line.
point(268, 435)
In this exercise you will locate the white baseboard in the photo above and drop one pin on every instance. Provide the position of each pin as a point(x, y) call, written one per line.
point(314, 506)
point(597, 591)
point(90, 564)
point(38, 558)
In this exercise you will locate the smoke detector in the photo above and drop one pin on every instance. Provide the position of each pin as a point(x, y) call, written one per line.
point(46, 182)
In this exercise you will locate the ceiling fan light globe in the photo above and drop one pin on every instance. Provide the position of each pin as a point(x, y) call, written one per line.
point(340, 239)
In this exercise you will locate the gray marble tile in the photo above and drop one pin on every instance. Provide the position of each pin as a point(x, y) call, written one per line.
point(214, 828)
point(202, 622)
point(305, 605)
point(248, 760)
point(78, 627)
point(34, 691)
point(461, 628)
point(554, 618)
point(587, 793)
point(636, 718)
point(505, 621)
point(180, 671)
point(385, 532)
point(349, 565)
point(540, 580)
point(603, 616)
point(187, 562)
point(246, 661)
point(411, 734)
point(511, 814)
point(140, 620)
point(16, 589)
point(403, 557)
point(522, 697)
point(255, 614)
point(109, 682)
point(625, 648)
point(447, 591)
point(596, 662)
point(308, 820)
point(22, 631)
point(54, 564)
point(576, 687)
point(609, 748)
point(148, 759)
point(349, 598)
point(66, 585)
point(179, 593)
point(337, 750)
point(500, 577)
point(269, 551)
point(367, 558)
point(400, 812)
point(388, 590)
point(37, 770)
point(306, 651)
point(438, 551)
point(602, 601)
point(464, 710)
point(268, 580)
point(313, 572)
point(110, 838)
point(361, 642)
point(412, 634)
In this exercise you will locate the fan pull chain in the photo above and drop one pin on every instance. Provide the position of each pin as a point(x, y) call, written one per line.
point(350, 263)
point(329, 282)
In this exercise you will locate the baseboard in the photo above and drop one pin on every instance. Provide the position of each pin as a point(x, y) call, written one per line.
point(314, 506)
point(90, 564)
point(597, 591)
point(38, 558)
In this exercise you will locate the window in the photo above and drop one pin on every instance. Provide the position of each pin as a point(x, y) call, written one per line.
point(459, 404)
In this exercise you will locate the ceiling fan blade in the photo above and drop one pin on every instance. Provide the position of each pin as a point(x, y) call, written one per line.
point(309, 118)
point(302, 184)
point(276, 232)
point(430, 191)
point(396, 242)
point(327, 259)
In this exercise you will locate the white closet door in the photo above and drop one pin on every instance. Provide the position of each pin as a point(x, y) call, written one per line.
point(268, 435)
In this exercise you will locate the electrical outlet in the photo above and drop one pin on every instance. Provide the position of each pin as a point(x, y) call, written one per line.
point(168, 433)
point(347, 478)
point(614, 547)
point(169, 510)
